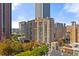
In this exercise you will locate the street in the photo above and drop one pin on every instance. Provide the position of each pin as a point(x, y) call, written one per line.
point(54, 52)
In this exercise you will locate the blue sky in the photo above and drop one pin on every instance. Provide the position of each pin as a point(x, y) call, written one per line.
point(61, 12)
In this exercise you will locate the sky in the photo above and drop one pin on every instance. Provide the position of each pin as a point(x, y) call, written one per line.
point(61, 12)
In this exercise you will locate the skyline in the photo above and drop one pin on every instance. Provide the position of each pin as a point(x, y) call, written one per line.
point(61, 12)
point(41, 30)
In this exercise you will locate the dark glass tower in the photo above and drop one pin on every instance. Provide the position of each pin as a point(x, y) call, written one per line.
point(0, 20)
point(5, 20)
point(42, 10)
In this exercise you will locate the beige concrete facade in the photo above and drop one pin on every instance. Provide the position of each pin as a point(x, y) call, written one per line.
point(45, 30)
point(73, 32)
point(78, 33)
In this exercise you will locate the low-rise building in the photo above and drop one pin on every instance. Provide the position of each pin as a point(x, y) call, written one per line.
point(23, 39)
point(71, 49)
point(15, 31)
point(54, 46)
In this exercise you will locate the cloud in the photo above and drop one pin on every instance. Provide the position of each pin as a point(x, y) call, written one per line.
point(72, 8)
point(21, 18)
point(15, 23)
point(15, 5)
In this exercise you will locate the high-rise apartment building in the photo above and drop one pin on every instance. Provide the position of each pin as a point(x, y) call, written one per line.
point(40, 29)
point(5, 20)
point(31, 30)
point(42, 10)
point(23, 27)
point(60, 30)
point(28, 28)
point(44, 30)
point(73, 32)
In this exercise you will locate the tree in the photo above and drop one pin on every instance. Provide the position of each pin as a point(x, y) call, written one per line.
point(35, 44)
point(38, 51)
point(27, 53)
point(61, 42)
point(5, 48)
point(9, 47)
point(44, 48)
point(14, 37)
point(30, 45)
point(17, 47)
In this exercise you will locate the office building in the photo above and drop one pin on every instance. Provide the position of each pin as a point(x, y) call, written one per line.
point(42, 10)
point(0, 21)
point(5, 20)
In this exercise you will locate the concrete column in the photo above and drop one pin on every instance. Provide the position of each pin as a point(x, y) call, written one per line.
point(43, 32)
point(38, 31)
point(48, 32)
point(74, 36)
